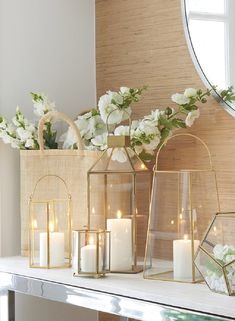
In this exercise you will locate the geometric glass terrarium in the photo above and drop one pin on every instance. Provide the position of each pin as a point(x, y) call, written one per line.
point(215, 258)
point(117, 205)
point(181, 201)
point(50, 224)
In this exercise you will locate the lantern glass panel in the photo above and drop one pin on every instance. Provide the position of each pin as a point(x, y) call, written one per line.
point(91, 252)
point(50, 225)
point(179, 208)
point(123, 181)
point(218, 247)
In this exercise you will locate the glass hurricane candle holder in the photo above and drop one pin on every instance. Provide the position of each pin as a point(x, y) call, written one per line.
point(121, 203)
point(180, 200)
point(215, 258)
point(50, 224)
point(91, 253)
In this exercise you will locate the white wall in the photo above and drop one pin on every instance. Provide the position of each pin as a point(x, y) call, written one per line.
point(49, 46)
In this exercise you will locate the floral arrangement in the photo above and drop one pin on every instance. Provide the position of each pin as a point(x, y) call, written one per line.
point(147, 133)
point(223, 254)
point(113, 108)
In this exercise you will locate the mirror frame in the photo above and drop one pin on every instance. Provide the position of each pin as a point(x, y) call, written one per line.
point(197, 64)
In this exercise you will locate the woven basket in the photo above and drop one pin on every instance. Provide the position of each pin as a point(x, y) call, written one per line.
point(70, 165)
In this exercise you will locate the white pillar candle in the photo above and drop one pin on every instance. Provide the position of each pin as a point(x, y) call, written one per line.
point(121, 243)
point(74, 251)
point(182, 258)
point(56, 249)
point(88, 262)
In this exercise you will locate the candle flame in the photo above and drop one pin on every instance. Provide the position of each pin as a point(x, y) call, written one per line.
point(172, 222)
point(35, 224)
point(119, 214)
point(91, 240)
point(181, 216)
point(51, 227)
point(185, 237)
point(93, 210)
point(215, 229)
point(143, 166)
point(136, 211)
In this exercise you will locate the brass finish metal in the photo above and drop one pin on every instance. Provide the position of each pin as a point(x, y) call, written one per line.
point(118, 141)
point(49, 214)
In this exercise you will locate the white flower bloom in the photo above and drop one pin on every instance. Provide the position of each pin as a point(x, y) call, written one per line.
point(29, 143)
point(108, 109)
point(3, 124)
point(148, 127)
point(100, 141)
point(122, 131)
point(180, 99)
point(24, 134)
point(150, 148)
point(154, 116)
point(190, 92)
point(191, 117)
point(41, 107)
point(125, 90)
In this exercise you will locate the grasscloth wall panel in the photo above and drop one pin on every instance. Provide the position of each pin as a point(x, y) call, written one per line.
point(142, 42)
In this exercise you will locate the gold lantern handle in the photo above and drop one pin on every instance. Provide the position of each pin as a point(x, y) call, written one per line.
point(47, 176)
point(185, 134)
point(58, 116)
point(108, 117)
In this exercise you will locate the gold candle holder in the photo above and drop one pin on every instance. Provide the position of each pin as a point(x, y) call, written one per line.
point(91, 253)
point(50, 224)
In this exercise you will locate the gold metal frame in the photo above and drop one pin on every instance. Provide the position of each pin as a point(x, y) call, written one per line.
point(52, 202)
point(222, 267)
point(106, 249)
point(115, 142)
point(190, 171)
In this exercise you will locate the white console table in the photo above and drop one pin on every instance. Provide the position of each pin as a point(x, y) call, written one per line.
point(129, 296)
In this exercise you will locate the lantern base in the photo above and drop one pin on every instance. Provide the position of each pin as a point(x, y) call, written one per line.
point(89, 275)
point(169, 276)
point(37, 266)
point(134, 270)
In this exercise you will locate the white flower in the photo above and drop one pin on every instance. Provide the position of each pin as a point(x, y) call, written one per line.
point(3, 124)
point(108, 106)
point(29, 143)
point(43, 106)
point(122, 131)
point(191, 117)
point(154, 116)
point(125, 90)
point(190, 92)
point(180, 99)
point(150, 148)
point(24, 134)
point(100, 141)
point(148, 128)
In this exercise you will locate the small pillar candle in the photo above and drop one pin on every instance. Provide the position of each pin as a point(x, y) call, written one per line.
point(88, 263)
point(183, 259)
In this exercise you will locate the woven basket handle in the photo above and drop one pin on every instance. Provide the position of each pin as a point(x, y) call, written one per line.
point(189, 135)
point(57, 116)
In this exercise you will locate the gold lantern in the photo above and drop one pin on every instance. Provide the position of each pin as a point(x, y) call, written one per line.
point(91, 253)
point(50, 224)
point(118, 201)
point(215, 258)
point(181, 201)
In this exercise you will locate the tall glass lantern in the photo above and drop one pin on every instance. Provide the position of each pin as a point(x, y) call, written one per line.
point(118, 201)
point(182, 202)
point(50, 224)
